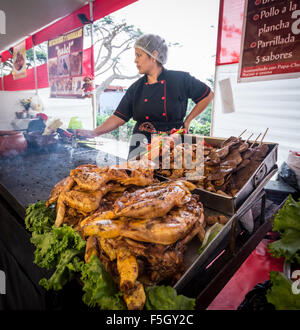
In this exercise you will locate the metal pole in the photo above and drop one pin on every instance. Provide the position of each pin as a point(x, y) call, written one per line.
point(94, 101)
point(35, 72)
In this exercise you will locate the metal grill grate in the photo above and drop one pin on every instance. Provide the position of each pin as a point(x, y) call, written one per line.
point(29, 178)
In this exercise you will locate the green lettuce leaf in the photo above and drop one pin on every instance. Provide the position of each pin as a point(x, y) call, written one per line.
point(287, 223)
point(39, 218)
point(288, 217)
point(69, 264)
point(280, 294)
point(160, 297)
point(288, 246)
point(99, 287)
point(50, 245)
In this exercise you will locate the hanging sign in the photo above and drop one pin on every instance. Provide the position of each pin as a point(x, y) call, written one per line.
point(19, 61)
point(270, 46)
point(65, 65)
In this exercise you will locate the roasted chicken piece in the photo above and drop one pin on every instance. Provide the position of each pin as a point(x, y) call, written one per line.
point(127, 269)
point(164, 231)
point(92, 178)
point(91, 248)
point(88, 201)
point(135, 298)
point(63, 185)
point(139, 252)
point(154, 201)
point(84, 202)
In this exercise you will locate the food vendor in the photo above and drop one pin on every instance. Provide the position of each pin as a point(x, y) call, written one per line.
point(159, 97)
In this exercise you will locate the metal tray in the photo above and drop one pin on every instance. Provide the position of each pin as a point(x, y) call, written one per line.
point(229, 205)
point(193, 260)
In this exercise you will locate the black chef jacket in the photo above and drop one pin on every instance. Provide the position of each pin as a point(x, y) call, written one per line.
point(164, 103)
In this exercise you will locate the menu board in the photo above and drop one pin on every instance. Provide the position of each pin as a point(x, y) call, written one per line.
point(270, 46)
point(65, 65)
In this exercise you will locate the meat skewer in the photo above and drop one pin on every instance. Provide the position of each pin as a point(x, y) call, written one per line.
point(244, 146)
point(260, 143)
point(242, 133)
point(249, 137)
point(255, 140)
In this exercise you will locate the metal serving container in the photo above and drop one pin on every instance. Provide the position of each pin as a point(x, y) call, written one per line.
point(229, 205)
point(193, 260)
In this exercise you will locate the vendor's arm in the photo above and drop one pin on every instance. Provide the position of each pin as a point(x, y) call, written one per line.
point(198, 108)
point(111, 123)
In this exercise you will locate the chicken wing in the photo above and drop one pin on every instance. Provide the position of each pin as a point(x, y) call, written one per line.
point(63, 185)
point(91, 248)
point(127, 269)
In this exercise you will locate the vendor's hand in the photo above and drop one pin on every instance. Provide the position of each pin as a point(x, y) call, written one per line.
point(84, 133)
point(186, 126)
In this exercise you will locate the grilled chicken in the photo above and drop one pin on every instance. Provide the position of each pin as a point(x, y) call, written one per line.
point(164, 231)
point(90, 177)
point(91, 248)
point(139, 234)
point(63, 185)
point(154, 201)
point(87, 201)
point(136, 297)
point(127, 269)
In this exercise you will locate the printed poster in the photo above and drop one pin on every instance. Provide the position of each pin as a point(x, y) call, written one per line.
point(271, 40)
point(19, 61)
point(65, 65)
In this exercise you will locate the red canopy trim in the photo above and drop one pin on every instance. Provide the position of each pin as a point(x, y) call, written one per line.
point(103, 7)
point(7, 55)
point(230, 31)
point(68, 23)
point(71, 22)
point(28, 83)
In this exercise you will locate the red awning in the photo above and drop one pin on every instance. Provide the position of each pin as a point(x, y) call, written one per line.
point(230, 31)
point(28, 83)
point(68, 23)
point(6, 54)
point(101, 8)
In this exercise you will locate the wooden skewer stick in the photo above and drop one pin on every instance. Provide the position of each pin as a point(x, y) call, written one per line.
point(263, 136)
point(242, 132)
point(249, 138)
point(255, 140)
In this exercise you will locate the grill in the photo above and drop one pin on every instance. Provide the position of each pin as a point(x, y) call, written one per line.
point(28, 178)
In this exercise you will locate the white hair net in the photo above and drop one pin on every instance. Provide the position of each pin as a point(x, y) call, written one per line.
point(149, 43)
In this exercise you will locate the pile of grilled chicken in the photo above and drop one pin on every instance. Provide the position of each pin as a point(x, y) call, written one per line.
point(226, 168)
point(138, 227)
